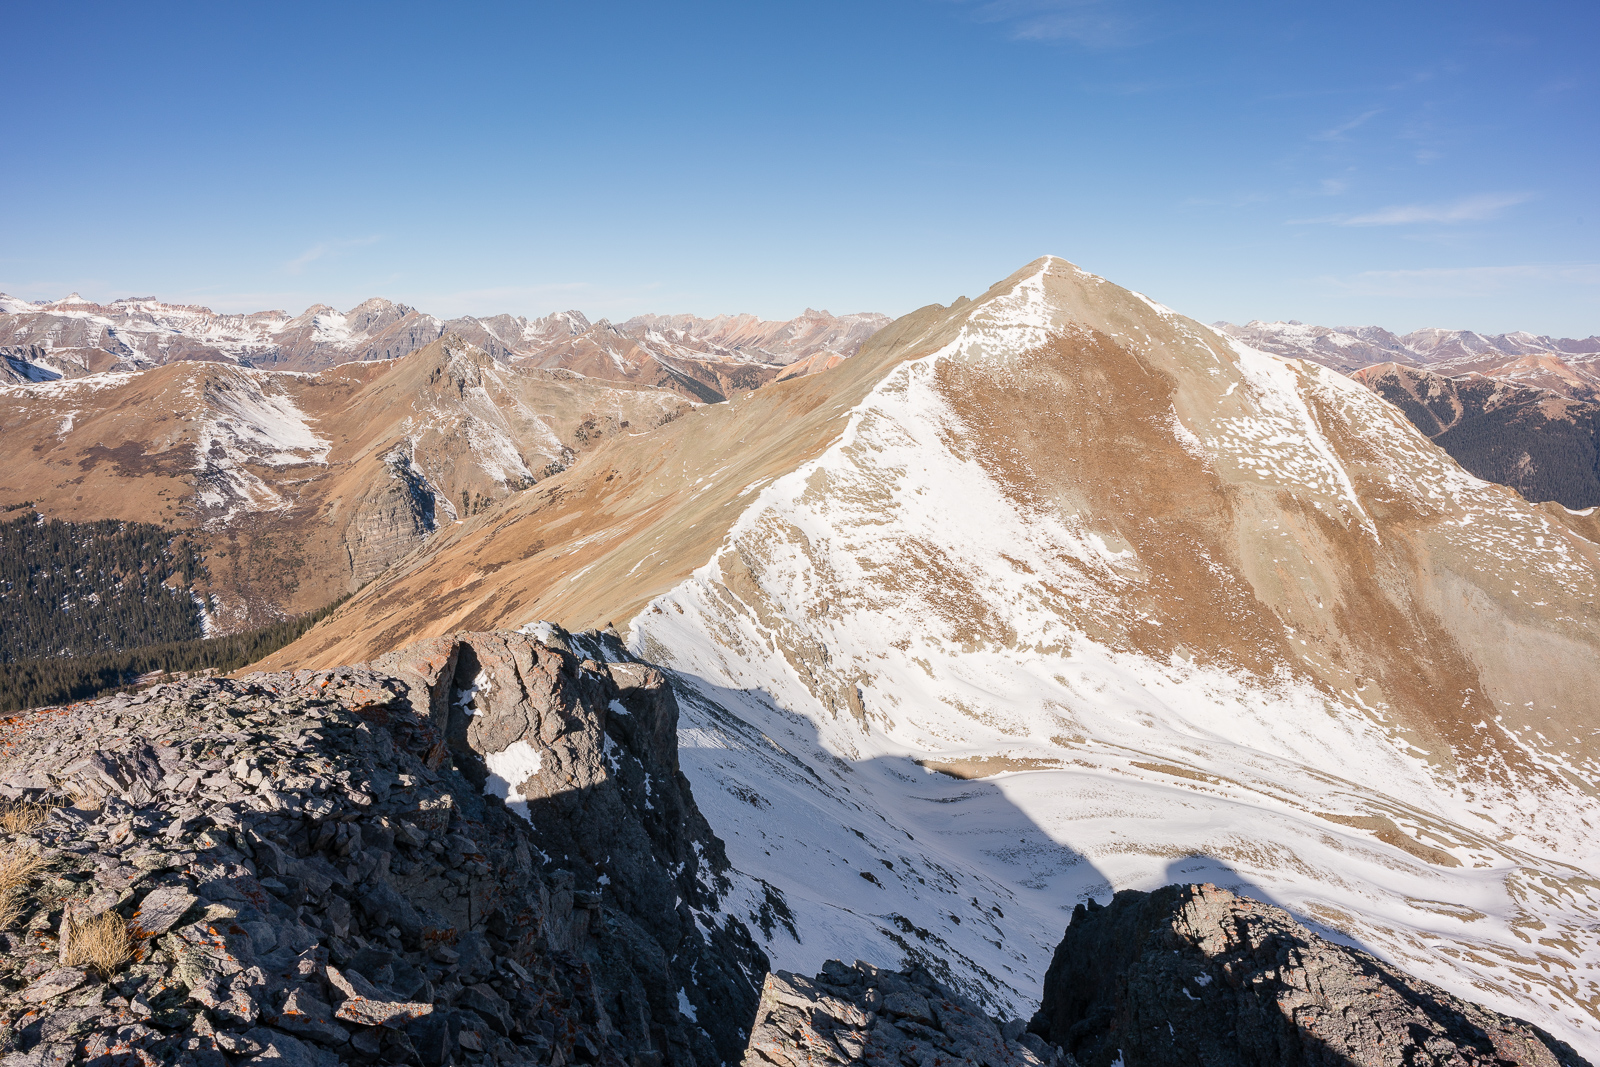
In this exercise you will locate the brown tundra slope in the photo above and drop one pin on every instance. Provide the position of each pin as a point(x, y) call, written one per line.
point(1156, 607)
point(303, 486)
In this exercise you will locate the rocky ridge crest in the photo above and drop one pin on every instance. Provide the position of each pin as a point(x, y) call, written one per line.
point(871, 1015)
point(310, 873)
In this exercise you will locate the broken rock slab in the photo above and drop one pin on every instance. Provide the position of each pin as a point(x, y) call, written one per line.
point(866, 1015)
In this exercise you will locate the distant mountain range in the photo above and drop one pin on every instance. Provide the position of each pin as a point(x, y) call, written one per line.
point(702, 359)
point(1570, 367)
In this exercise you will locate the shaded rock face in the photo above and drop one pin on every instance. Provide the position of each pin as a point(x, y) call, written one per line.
point(311, 873)
point(392, 519)
point(587, 752)
point(1196, 975)
point(864, 1014)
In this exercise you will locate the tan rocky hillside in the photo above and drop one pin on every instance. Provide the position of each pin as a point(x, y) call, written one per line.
point(303, 486)
point(1157, 606)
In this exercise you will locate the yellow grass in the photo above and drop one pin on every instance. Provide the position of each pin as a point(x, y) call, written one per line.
point(23, 816)
point(17, 869)
point(101, 943)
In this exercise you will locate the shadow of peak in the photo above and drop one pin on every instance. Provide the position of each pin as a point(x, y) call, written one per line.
point(879, 856)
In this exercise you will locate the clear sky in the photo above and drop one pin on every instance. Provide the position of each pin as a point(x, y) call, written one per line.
point(1406, 164)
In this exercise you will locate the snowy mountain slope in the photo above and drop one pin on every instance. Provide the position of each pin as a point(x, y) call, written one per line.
point(1093, 598)
point(1055, 592)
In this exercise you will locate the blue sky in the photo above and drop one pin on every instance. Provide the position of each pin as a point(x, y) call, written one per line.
point(1405, 164)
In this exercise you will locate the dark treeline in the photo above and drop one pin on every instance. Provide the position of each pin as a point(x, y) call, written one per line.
point(37, 683)
point(1513, 442)
point(79, 588)
point(1539, 457)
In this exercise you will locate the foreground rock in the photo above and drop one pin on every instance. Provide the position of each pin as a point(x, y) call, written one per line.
point(867, 1015)
point(311, 873)
point(1195, 975)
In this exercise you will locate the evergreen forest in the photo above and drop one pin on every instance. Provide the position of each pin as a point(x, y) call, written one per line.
point(75, 588)
point(42, 682)
point(89, 607)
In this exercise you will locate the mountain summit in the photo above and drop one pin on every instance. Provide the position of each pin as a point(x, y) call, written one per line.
point(1057, 591)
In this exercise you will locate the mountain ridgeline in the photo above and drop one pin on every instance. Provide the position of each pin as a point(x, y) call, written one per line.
point(1055, 591)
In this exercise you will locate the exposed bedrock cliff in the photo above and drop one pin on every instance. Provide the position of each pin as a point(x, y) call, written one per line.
point(1192, 974)
point(881, 1018)
point(392, 518)
point(322, 867)
point(1187, 975)
point(587, 751)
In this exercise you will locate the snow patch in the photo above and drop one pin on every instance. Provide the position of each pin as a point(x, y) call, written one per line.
point(509, 770)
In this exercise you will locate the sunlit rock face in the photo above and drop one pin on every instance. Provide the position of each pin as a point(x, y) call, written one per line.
point(1087, 596)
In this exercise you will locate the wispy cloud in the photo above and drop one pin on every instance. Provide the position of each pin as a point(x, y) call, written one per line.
point(1097, 23)
point(1447, 282)
point(1466, 209)
point(325, 249)
point(1338, 133)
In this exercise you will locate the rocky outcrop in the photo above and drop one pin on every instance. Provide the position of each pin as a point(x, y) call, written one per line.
point(306, 870)
point(864, 1014)
point(1196, 975)
point(581, 740)
point(393, 517)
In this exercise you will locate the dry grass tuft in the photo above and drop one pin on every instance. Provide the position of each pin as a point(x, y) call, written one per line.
point(102, 943)
point(23, 816)
point(17, 869)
